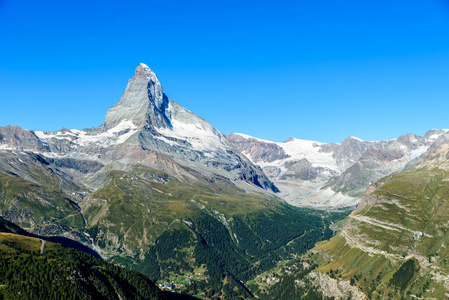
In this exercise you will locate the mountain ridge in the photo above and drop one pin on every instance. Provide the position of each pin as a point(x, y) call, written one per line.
point(338, 171)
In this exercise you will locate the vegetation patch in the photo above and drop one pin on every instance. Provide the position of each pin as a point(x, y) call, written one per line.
point(403, 276)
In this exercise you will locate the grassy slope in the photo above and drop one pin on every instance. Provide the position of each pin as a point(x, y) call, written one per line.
point(31, 205)
point(396, 243)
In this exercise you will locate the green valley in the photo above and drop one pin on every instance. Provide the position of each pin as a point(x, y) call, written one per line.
point(201, 237)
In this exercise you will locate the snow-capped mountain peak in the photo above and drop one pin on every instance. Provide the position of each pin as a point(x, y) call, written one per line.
point(143, 102)
point(145, 127)
point(143, 71)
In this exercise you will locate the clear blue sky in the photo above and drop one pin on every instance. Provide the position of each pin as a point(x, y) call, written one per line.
point(319, 70)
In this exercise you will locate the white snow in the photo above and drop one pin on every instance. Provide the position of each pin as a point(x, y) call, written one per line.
point(298, 149)
point(41, 135)
point(164, 139)
point(83, 138)
point(110, 137)
point(189, 127)
point(200, 136)
point(416, 153)
point(248, 137)
point(310, 150)
point(434, 137)
point(356, 138)
point(437, 134)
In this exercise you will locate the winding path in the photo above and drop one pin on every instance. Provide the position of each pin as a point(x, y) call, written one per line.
point(42, 246)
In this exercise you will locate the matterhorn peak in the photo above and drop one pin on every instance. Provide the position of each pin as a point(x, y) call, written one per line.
point(144, 72)
point(143, 102)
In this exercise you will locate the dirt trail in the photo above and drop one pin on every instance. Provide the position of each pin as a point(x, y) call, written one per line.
point(42, 246)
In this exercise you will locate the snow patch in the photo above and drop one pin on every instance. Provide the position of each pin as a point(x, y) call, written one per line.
point(114, 136)
point(416, 153)
point(297, 149)
point(311, 150)
point(356, 138)
point(199, 136)
point(248, 137)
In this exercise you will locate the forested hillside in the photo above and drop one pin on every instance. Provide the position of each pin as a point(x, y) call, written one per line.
point(34, 269)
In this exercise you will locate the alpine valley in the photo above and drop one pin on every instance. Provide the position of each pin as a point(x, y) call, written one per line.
point(159, 191)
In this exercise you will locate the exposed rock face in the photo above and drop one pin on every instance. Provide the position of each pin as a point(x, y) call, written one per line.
point(143, 102)
point(82, 166)
point(435, 147)
point(301, 169)
point(379, 162)
point(412, 141)
point(339, 289)
point(258, 150)
point(256, 176)
point(13, 137)
point(374, 164)
point(351, 149)
point(437, 156)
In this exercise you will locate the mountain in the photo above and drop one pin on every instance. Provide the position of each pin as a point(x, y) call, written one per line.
point(158, 190)
point(325, 174)
point(146, 126)
point(393, 246)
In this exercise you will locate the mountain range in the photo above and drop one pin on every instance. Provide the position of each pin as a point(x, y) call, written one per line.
point(159, 190)
point(327, 174)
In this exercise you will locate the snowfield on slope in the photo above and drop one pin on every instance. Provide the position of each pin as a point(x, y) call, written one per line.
point(298, 149)
point(114, 136)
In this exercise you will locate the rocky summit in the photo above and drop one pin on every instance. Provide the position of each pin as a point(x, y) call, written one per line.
point(143, 102)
